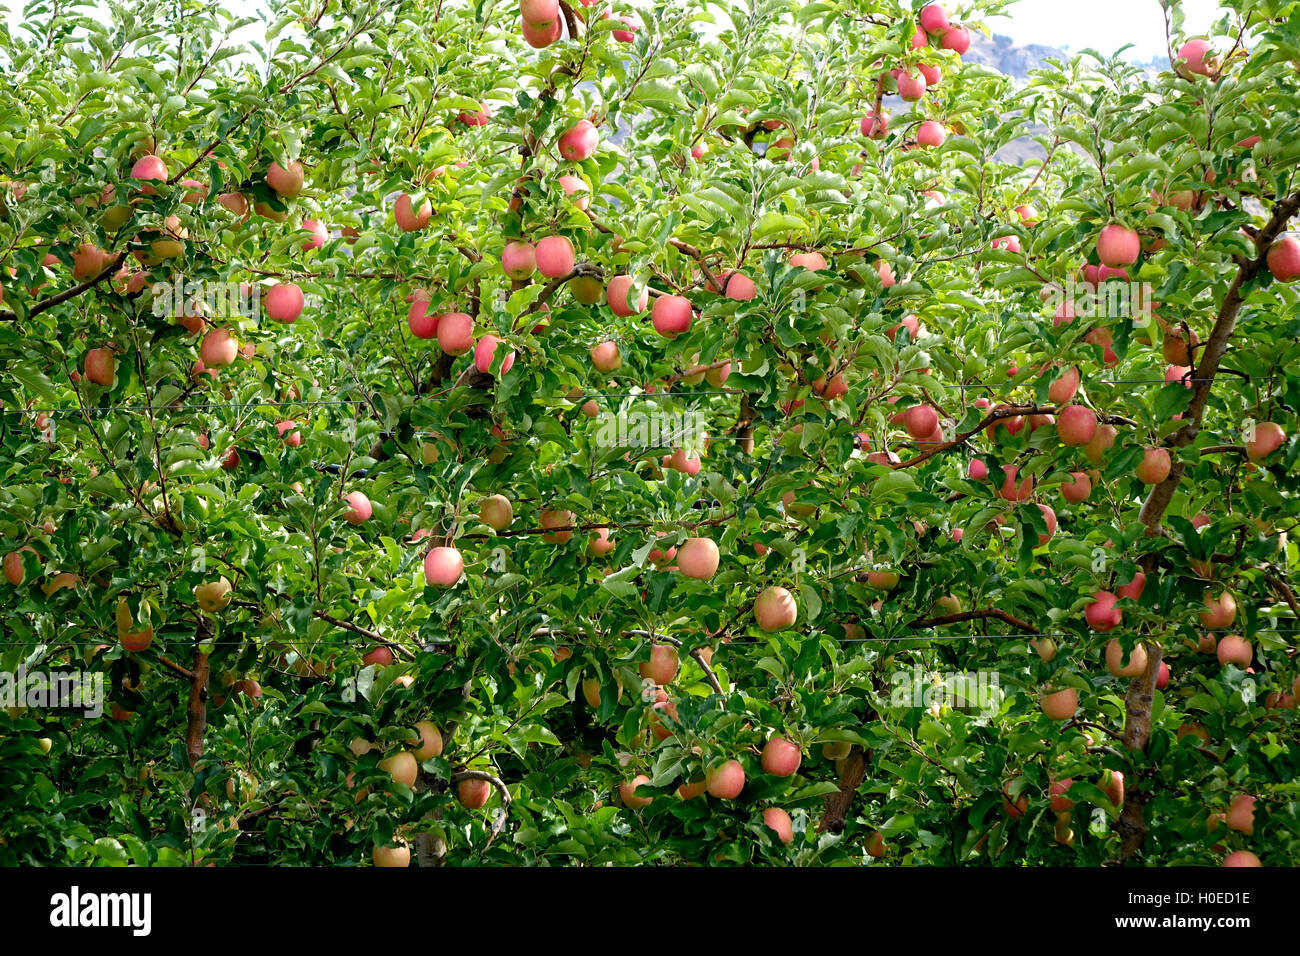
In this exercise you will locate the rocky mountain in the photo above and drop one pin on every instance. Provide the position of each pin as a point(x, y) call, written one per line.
point(1003, 54)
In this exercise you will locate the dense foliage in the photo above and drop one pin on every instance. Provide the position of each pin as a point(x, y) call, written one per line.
point(843, 437)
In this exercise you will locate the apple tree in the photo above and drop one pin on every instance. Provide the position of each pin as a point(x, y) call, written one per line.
point(593, 434)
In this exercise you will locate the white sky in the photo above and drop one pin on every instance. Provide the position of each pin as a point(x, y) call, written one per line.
point(1104, 25)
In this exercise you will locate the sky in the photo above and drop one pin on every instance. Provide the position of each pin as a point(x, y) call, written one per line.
point(1104, 25)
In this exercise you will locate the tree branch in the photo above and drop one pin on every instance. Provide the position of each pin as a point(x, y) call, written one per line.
point(1153, 509)
point(1131, 824)
point(47, 304)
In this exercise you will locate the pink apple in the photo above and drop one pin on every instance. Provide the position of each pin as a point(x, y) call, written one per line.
point(539, 37)
point(726, 781)
point(359, 508)
point(920, 420)
point(1269, 437)
point(1235, 649)
point(1155, 466)
point(911, 87)
point(1050, 517)
point(1192, 58)
point(776, 819)
point(606, 357)
point(873, 126)
point(1284, 259)
point(455, 333)
point(579, 142)
point(284, 302)
point(576, 187)
point(740, 286)
point(443, 567)
point(407, 217)
point(289, 432)
point(628, 35)
point(619, 296)
point(555, 257)
point(99, 365)
point(1133, 590)
point(1076, 425)
point(934, 18)
point(956, 39)
point(485, 353)
point(539, 12)
point(1118, 245)
point(671, 315)
point(812, 261)
point(149, 167)
point(1066, 385)
point(1101, 613)
point(319, 234)
point(518, 259)
point(781, 758)
point(931, 134)
point(287, 183)
point(481, 116)
point(1010, 491)
point(1219, 612)
point(219, 348)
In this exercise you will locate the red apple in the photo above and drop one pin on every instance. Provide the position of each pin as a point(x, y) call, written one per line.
point(407, 217)
point(455, 332)
point(1101, 613)
point(1155, 466)
point(775, 609)
point(1076, 425)
point(726, 781)
point(555, 257)
point(671, 315)
point(1118, 245)
point(443, 567)
point(781, 758)
point(518, 259)
point(1284, 259)
point(619, 296)
point(579, 142)
point(287, 183)
point(359, 508)
point(284, 302)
